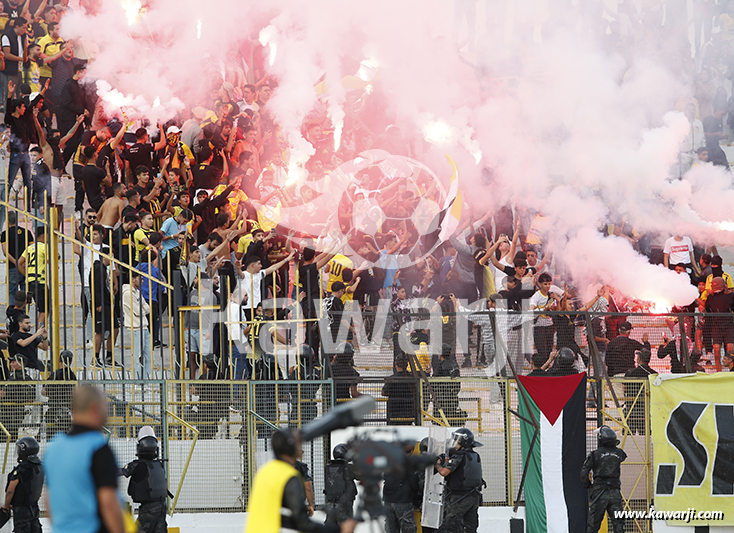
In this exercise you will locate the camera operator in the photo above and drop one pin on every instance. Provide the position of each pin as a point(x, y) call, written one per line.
point(463, 473)
point(398, 494)
point(278, 496)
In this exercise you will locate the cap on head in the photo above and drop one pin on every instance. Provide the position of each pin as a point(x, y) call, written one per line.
point(625, 326)
point(173, 130)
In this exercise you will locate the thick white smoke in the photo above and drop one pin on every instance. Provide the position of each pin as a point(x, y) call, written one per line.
point(564, 126)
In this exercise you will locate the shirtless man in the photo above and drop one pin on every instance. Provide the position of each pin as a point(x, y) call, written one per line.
point(111, 211)
point(52, 157)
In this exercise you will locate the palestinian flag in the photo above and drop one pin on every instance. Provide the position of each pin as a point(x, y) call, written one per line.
point(555, 499)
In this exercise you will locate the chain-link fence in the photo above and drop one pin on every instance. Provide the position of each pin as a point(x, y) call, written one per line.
point(214, 433)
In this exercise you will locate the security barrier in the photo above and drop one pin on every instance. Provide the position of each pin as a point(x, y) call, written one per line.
point(215, 433)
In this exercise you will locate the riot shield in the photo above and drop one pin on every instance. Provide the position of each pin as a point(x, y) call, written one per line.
point(432, 510)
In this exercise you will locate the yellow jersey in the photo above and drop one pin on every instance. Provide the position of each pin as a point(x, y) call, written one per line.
point(138, 237)
point(336, 267)
point(49, 48)
point(35, 263)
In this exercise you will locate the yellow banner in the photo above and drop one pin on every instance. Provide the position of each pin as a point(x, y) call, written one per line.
point(692, 422)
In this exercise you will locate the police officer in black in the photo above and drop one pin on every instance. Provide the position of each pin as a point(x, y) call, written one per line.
point(345, 376)
point(148, 485)
point(303, 397)
point(23, 489)
point(398, 493)
point(58, 414)
point(340, 489)
point(463, 472)
point(605, 461)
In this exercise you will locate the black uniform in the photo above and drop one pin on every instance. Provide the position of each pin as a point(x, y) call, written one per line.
point(149, 488)
point(399, 492)
point(340, 490)
point(605, 461)
point(402, 398)
point(464, 485)
point(29, 474)
point(447, 393)
point(345, 377)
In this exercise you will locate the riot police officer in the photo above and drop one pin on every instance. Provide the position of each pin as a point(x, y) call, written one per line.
point(340, 490)
point(148, 485)
point(24, 487)
point(463, 472)
point(398, 494)
point(605, 461)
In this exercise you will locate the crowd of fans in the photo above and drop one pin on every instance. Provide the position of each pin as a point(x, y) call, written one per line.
point(191, 212)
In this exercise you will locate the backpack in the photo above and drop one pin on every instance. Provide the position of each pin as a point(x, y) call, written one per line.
point(335, 481)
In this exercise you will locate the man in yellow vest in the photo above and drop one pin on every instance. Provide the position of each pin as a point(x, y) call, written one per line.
point(278, 501)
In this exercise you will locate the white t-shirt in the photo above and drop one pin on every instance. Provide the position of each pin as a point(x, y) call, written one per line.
point(89, 260)
point(251, 284)
point(678, 251)
point(499, 275)
point(538, 301)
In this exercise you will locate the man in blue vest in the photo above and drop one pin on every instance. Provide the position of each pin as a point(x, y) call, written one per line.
point(81, 472)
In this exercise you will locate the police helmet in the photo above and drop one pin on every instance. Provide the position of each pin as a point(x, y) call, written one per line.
point(147, 448)
point(66, 356)
point(424, 445)
point(607, 437)
point(341, 451)
point(565, 357)
point(146, 431)
point(465, 438)
point(27, 448)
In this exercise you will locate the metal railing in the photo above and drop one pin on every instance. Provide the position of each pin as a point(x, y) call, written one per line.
point(215, 433)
